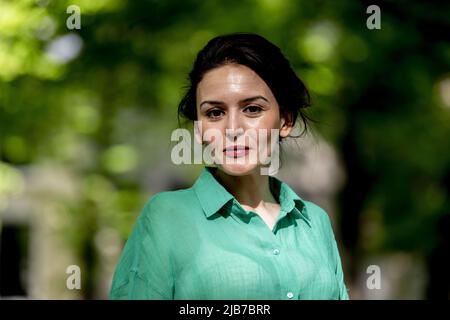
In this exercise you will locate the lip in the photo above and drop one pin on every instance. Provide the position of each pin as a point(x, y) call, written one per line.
point(236, 151)
point(234, 148)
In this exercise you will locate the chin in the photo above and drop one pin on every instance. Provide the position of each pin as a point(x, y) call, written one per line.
point(241, 166)
point(239, 169)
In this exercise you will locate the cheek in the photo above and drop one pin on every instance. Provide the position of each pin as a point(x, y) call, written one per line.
point(264, 125)
point(211, 132)
point(265, 138)
point(270, 120)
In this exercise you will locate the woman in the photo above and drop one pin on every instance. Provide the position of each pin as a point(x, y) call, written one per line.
point(237, 233)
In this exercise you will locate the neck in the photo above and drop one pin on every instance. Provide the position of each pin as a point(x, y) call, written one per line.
point(250, 190)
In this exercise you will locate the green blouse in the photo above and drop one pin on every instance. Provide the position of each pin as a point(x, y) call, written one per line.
point(200, 243)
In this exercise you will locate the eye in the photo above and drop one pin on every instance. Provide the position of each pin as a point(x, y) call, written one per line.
point(253, 109)
point(214, 114)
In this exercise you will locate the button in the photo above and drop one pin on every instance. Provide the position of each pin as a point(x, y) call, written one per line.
point(290, 295)
point(276, 251)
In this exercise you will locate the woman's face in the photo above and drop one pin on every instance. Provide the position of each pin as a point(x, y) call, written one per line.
point(237, 110)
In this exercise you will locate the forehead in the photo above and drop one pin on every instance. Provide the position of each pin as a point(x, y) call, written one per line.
point(231, 79)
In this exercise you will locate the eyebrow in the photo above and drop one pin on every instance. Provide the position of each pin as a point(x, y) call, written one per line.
point(241, 101)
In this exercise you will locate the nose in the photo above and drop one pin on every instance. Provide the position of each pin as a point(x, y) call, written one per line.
point(234, 127)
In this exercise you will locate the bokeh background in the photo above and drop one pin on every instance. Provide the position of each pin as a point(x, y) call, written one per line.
point(86, 117)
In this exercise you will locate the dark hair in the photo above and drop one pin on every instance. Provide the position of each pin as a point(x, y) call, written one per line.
point(260, 55)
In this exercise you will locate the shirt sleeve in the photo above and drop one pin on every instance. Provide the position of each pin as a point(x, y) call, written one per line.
point(343, 291)
point(335, 256)
point(144, 270)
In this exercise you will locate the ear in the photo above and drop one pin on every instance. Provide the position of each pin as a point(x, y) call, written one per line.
point(285, 126)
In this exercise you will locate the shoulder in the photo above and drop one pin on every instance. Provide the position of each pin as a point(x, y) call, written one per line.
point(162, 215)
point(322, 226)
point(318, 216)
point(169, 204)
point(169, 199)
